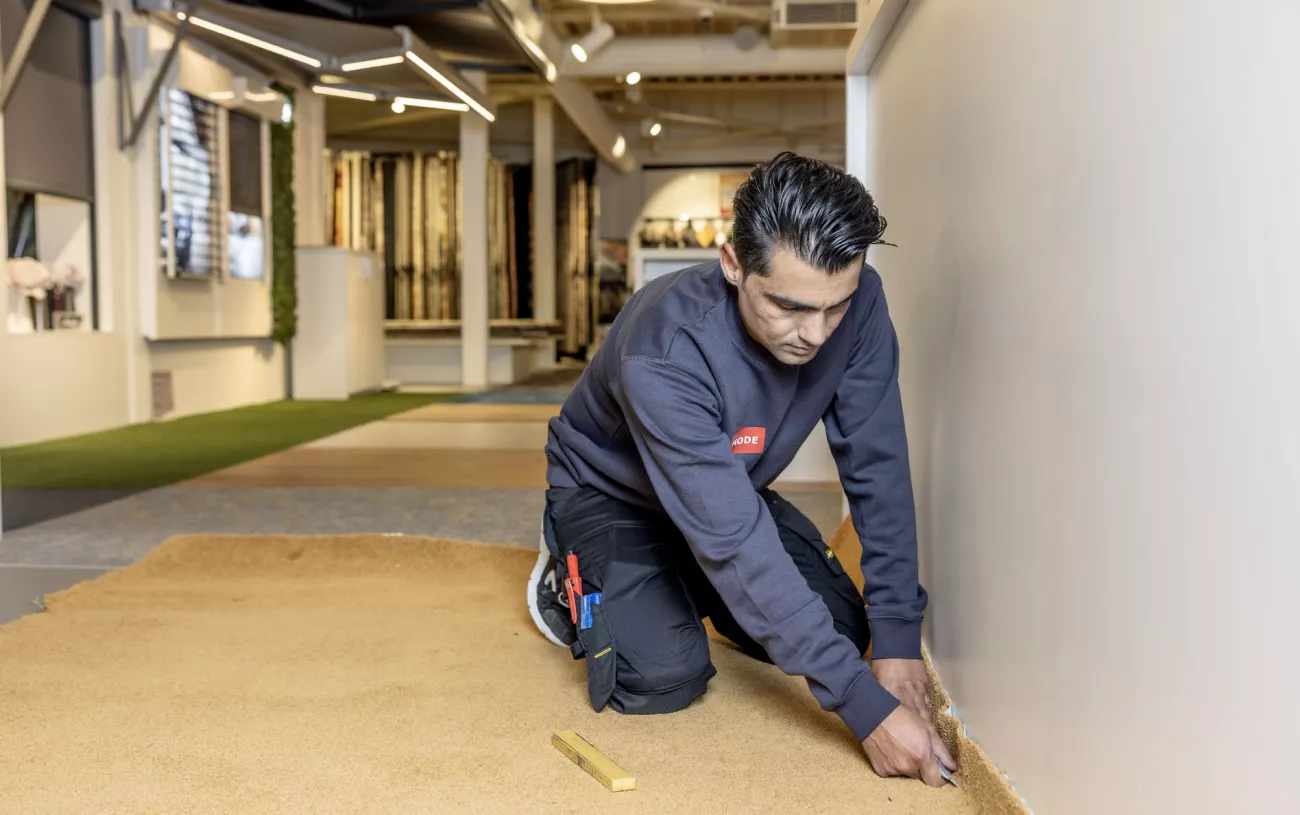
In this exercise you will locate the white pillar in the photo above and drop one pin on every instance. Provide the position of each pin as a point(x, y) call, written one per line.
point(855, 127)
point(543, 208)
point(474, 302)
point(309, 168)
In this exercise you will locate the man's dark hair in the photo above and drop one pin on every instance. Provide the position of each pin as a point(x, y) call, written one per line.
point(821, 214)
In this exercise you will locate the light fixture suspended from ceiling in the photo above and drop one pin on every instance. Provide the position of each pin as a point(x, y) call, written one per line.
point(597, 38)
point(248, 39)
point(344, 93)
point(377, 62)
point(435, 104)
point(449, 85)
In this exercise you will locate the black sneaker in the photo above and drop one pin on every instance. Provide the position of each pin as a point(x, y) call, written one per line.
point(548, 603)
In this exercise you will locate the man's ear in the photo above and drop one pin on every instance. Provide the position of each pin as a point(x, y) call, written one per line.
point(730, 266)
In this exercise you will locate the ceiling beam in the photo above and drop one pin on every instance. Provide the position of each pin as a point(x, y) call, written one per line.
point(673, 85)
point(753, 14)
point(392, 120)
point(711, 56)
point(667, 11)
point(535, 36)
point(589, 116)
point(416, 116)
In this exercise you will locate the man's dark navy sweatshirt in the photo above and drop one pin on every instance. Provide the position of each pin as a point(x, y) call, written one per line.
point(681, 411)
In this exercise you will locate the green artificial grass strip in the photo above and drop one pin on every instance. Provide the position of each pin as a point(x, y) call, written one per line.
point(152, 455)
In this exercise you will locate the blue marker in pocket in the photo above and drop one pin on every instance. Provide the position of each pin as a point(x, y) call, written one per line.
point(587, 600)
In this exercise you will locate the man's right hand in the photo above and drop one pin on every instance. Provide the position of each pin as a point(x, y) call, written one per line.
point(900, 745)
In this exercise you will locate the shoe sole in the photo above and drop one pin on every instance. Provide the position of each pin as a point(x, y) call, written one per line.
point(534, 580)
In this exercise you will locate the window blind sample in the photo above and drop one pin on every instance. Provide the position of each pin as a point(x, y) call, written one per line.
point(190, 165)
point(48, 124)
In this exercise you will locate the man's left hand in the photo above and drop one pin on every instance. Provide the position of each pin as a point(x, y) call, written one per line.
point(907, 680)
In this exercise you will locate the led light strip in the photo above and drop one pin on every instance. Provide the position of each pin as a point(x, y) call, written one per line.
point(431, 103)
point(253, 41)
point(451, 86)
point(378, 62)
point(326, 90)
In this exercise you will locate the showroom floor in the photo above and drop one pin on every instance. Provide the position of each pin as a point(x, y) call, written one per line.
point(464, 471)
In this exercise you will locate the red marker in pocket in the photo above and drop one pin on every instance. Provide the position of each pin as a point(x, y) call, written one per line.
point(573, 585)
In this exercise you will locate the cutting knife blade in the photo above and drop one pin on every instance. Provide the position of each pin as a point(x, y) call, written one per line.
point(947, 775)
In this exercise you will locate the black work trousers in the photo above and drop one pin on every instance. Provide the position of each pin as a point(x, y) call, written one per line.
point(646, 649)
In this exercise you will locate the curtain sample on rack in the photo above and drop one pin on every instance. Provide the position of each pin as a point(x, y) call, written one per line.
point(574, 183)
point(407, 207)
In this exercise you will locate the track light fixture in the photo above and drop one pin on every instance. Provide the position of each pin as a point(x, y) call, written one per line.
point(597, 38)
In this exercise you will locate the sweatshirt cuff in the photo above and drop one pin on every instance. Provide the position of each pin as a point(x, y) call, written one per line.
point(866, 705)
point(895, 639)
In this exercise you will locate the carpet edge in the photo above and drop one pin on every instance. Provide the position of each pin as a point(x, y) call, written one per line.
point(986, 785)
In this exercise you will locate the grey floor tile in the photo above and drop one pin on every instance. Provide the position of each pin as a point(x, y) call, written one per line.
point(121, 532)
point(23, 587)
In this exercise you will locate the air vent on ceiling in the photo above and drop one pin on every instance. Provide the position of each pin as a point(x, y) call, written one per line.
point(813, 23)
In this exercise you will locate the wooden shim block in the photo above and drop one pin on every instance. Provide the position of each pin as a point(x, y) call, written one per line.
point(581, 752)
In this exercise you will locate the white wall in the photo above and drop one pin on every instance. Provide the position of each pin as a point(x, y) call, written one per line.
point(672, 193)
point(1096, 291)
point(42, 399)
point(339, 348)
point(98, 380)
point(65, 383)
point(219, 376)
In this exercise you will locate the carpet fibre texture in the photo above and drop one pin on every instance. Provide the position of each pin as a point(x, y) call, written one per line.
point(380, 674)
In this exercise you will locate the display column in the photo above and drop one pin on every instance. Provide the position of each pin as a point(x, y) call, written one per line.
point(543, 209)
point(309, 170)
point(474, 302)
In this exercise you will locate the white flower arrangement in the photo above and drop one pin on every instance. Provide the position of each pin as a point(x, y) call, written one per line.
point(29, 276)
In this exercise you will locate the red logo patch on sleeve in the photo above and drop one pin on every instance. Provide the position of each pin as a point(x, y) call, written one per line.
point(749, 440)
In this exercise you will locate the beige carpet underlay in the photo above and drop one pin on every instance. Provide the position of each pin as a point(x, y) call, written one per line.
point(384, 674)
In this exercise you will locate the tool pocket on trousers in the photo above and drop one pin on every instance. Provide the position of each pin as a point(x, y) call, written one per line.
point(596, 645)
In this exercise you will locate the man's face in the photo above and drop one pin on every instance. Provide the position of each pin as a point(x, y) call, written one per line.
point(794, 309)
